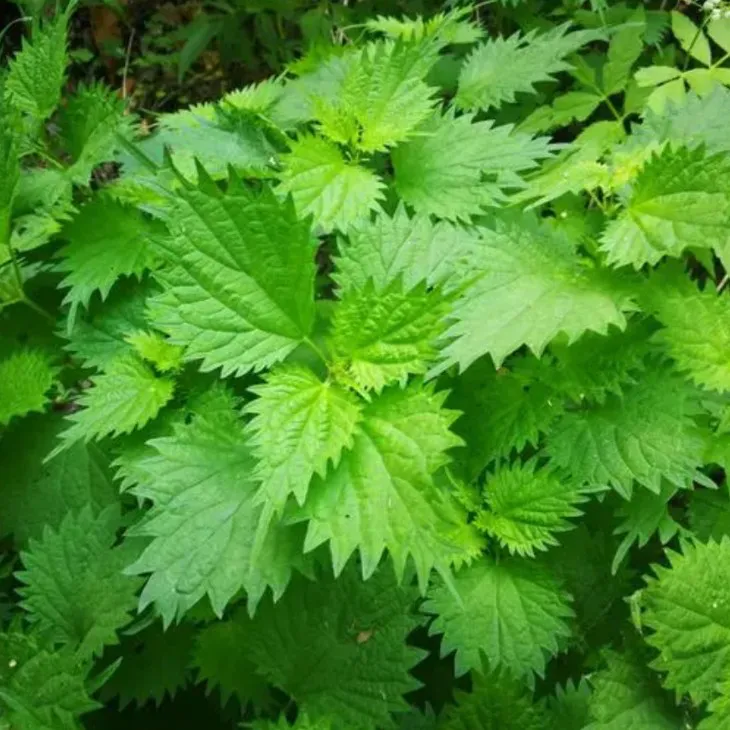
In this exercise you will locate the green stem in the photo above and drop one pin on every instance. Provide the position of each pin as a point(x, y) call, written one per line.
point(692, 43)
point(316, 350)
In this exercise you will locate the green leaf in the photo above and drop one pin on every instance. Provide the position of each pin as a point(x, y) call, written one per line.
point(382, 494)
point(99, 337)
point(495, 703)
point(89, 124)
point(300, 426)
point(720, 709)
point(9, 178)
point(326, 186)
point(696, 332)
point(679, 200)
point(655, 75)
point(36, 74)
point(123, 398)
point(221, 663)
point(512, 612)
point(239, 279)
point(597, 365)
point(154, 667)
point(692, 39)
point(207, 533)
point(158, 351)
point(644, 515)
point(688, 610)
point(529, 284)
point(74, 588)
point(527, 506)
point(105, 241)
point(456, 166)
point(645, 436)
point(569, 709)
point(531, 58)
point(623, 51)
point(380, 337)
point(448, 27)
point(415, 249)
point(34, 495)
point(40, 689)
point(627, 697)
point(709, 514)
point(26, 376)
point(503, 410)
point(382, 98)
point(339, 647)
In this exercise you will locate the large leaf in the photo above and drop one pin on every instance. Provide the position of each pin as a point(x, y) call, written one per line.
point(34, 495)
point(502, 67)
point(696, 331)
point(74, 588)
point(512, 612)
point(415, 249)
point(207, 533)
point(529, 284)
point(339, 646)
point(239, 281)
point(383, 496)
point(688, 610)
point(105, 241)
point(456, 166)
point(123, 398)
point(679, 200)
point(644, 437)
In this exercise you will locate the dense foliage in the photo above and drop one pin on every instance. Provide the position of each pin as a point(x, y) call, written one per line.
point(390, 392)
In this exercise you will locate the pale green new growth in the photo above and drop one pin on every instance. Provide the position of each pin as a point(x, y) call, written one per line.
point(381, 337)
point(123, 398)
point(324, 184)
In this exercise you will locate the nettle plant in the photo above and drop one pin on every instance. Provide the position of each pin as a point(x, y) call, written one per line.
point(359, 399)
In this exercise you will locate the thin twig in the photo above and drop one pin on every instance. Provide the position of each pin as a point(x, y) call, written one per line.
point(127, 57)
point(722, 283)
